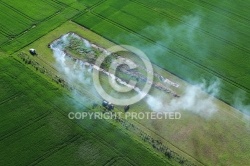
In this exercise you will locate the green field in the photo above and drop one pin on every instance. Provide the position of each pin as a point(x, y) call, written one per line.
point(25, 21)
point(194, 40)
point(204, 141)
point(188, 41)
point(35, 128)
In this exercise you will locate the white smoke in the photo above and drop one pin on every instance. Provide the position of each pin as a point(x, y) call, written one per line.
point(87, 44)
point(194, 99)
point(74, 72)
point(154, 103)
point(239, 98)
point(168, 34)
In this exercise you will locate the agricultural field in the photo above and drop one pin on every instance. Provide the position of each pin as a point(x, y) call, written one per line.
point(25, 21)
point(200, 46)
point(204, 142)
point(209, 39)
point(35, 129)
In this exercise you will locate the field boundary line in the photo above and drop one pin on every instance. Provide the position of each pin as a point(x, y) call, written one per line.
point(55, 149)
point(10, 98)
point(17, 11)
point(69, 5)
point(29, 123)
point(27, 30)
point(114, 159)
point(227, 11)
point(5, 31)
point(57, 6)
point(36, 24)
point(96, 4)
point(61, 3)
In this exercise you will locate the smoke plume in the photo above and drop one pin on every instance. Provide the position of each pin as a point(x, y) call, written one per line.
point(239, 103)
point(74, 72)
point(193, 99)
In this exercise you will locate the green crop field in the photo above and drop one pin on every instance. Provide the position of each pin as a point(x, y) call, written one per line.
point(203, 141)
point(191, 42)
point(208, 39)
point(25, 21)
point(35, 129)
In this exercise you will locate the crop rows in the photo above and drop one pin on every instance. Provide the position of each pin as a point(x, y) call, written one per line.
point(13, 21)
point(39, 120)
point(125, 19)
point(40, 30)
point(21, 17)
point(29, 122)
point(210, 22)
point(149, 20)
point(228, 9)
point(116, 31)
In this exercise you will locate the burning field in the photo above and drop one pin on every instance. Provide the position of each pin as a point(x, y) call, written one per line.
point(132, 82)
point(75, 60)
